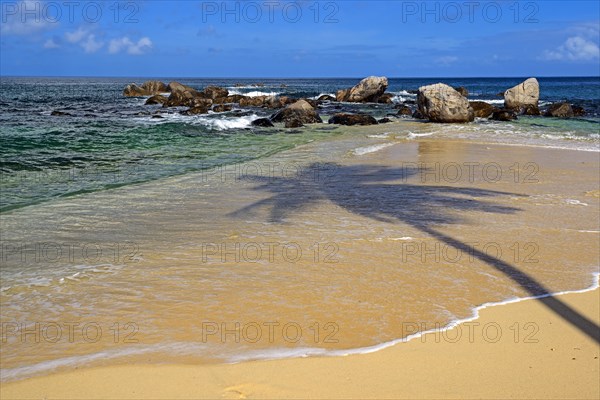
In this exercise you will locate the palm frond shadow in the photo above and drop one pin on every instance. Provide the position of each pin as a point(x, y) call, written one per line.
point(383, 194)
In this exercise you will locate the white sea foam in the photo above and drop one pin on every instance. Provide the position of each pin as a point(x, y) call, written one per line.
point(306, 352)
point(371, 149)
point(412, 135)
point(194, 348)
point(323, 94)
point(380, 136)
point(575, 202)
point(254, 93)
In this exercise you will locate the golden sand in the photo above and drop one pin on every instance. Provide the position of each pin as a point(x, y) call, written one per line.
point(539, 215)
point(548, 359)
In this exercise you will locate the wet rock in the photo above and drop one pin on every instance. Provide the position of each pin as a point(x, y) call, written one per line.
point(147, 88)
point(326, 97)
point(352, 119)
point(404, 110)
point(263, 123)
point(504, 114)
point(385, 98)
point(560, 110)
point(384, 120)
point(215, 92)
point(156, 99)
point(222, 108)
point(58, 113)
point(481, 109)
point(301, 110)
point(196, 110)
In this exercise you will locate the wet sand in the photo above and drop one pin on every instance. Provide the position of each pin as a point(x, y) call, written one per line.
point(548, 358)
point(422, 232)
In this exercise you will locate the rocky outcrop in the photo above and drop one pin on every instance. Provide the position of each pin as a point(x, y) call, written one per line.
point(504, 114)
point(369, 90)
point(300, 111)
point(257, 101)
point(147, 88)
point(262, 122)
point(524, 94)
point(215, 92)
point(156, 99)
point(441, 103)
point(560, 110)
point(481, 109)
point(352, 119)
point(182, 95)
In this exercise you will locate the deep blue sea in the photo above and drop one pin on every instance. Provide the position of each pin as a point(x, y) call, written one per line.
point(107, 140)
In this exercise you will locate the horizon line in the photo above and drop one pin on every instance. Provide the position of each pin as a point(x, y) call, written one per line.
point(298, 77)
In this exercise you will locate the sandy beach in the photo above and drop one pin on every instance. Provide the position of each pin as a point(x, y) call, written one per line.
point(529, 349)
point(543, 358)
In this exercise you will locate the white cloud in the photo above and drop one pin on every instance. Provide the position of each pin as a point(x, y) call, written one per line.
point(86, 40)
point(91, 45)
point(24, 18)
point(117, 45)
point(575, 48)
point(77, 36)
point(51, 44)
point(447, 60)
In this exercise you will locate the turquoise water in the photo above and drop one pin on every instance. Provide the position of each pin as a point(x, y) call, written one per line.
point(107, 140)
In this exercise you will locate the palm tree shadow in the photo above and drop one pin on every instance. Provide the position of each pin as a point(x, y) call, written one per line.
point(382, 193)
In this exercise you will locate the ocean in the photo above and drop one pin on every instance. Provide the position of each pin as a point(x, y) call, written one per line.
point(109, 140)
point(128, 238)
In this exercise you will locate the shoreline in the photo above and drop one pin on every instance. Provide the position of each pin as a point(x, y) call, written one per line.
point(346, 155)
point(352, 376)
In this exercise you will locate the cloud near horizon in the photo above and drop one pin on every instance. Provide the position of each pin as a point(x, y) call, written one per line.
point(575, 48)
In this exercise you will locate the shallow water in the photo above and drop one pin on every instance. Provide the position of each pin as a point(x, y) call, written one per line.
point(326, 247)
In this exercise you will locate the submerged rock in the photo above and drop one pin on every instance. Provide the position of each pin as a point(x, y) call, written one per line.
point(352, 119)
point(441, 103)
point(57, 113)
point(262, 122)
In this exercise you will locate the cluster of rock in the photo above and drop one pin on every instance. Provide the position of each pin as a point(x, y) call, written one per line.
point(437, 103)
point(441, 103)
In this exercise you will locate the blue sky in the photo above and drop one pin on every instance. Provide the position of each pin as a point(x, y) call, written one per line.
point(277, 38)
